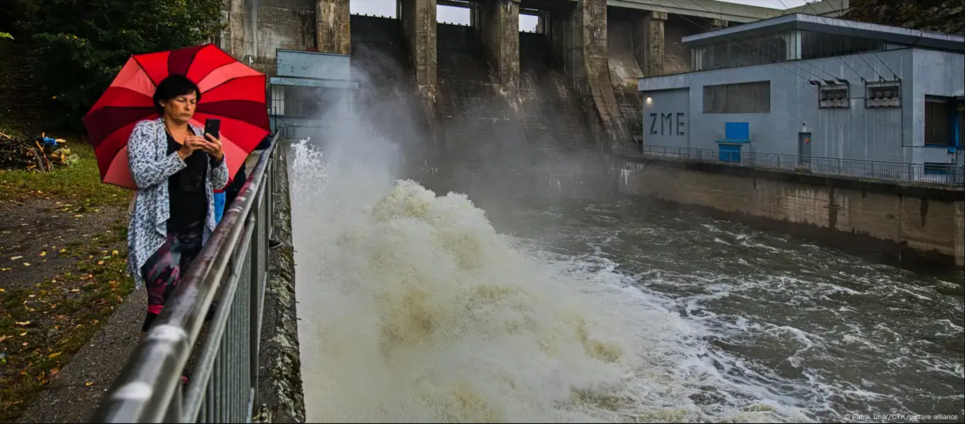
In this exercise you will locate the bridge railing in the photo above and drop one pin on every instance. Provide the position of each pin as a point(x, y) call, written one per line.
point(232, 267)
point(943, 174)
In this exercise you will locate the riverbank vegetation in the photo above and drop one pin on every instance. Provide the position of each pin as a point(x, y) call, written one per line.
point(63, 235)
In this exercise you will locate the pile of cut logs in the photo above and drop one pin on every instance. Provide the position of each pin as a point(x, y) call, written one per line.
point(40, 154)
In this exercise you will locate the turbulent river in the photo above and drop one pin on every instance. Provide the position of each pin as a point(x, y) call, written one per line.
point(417, 306)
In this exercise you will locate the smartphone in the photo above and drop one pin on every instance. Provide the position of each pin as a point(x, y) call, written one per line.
point(212, 126)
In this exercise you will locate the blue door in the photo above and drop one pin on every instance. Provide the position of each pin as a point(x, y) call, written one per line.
point(730, 152)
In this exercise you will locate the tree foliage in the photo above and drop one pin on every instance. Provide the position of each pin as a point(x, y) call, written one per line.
point(930, 15)
point(82, 44)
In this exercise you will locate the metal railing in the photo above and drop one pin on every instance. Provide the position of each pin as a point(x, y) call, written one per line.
point(232, 267)
point(953, 175)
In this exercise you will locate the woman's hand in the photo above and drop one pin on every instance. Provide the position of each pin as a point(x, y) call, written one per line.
point(191, 143)
point(214, 147)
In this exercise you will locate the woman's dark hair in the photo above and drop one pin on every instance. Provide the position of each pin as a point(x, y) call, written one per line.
point(174, 86)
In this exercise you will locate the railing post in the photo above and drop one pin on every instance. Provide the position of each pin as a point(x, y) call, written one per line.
point(254, 256)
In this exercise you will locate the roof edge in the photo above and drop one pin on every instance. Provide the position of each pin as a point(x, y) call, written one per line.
point(799, 21)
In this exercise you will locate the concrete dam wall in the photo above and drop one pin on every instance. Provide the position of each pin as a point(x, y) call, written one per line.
point(470, 133)
point(523, 143)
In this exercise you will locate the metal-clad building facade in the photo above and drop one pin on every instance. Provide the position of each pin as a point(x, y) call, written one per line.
point(860, 117)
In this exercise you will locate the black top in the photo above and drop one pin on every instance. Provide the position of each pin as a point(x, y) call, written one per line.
point(234, 187)
point(189, 201)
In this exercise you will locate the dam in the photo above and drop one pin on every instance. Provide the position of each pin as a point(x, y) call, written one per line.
point(544, 294)
point(469, 245)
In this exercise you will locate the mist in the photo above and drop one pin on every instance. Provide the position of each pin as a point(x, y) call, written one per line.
point(413, 308)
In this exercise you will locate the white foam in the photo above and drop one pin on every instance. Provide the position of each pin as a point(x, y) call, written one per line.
point(413, 308)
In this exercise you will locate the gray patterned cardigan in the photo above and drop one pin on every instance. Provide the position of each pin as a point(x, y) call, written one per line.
point(151, 165)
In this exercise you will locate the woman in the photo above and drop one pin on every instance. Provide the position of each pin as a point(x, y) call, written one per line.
point(175, 170)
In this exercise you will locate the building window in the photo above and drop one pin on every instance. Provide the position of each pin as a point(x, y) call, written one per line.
point(938, 121)
point(277, 100)
point(816, 45)
point(748, 97)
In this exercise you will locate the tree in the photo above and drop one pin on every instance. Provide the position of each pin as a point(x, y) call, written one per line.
point(82, 44)
point(930, 15)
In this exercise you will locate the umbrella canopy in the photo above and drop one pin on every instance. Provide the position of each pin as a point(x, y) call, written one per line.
point(230, 91)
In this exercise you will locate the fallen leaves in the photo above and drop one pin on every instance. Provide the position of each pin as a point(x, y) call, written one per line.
point(22, 323)
point(48, 344)
point(89, 383)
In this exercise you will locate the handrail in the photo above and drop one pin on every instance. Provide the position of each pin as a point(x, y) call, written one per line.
point(891, 172)
point(149, 387)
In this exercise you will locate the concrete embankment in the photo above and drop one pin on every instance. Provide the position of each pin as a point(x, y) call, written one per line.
point(914, 224)
point(279, 370)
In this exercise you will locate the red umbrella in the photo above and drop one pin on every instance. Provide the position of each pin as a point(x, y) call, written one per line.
point(230, 91)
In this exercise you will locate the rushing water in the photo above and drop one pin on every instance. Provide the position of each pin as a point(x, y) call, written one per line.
point(414, 308)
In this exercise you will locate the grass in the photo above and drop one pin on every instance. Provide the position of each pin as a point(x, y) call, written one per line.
point(42, 324)
point(80, 182)
point(55, 318)
point(46, 323)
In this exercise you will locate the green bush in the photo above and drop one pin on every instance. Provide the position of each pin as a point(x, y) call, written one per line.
point(83, 44)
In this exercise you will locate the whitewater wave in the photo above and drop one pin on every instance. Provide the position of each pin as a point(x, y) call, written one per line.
point(413, 308)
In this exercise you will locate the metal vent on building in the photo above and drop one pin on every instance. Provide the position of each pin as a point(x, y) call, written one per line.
point(834, 96)
point(882, 94)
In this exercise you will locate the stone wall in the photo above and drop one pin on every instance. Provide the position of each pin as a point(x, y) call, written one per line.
point(419, 29)
point(912, 223)
point(333, 27)
point(257, 28)
point(279, 369)
point(580, 44)
point(676, 57)
point(499, 34)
